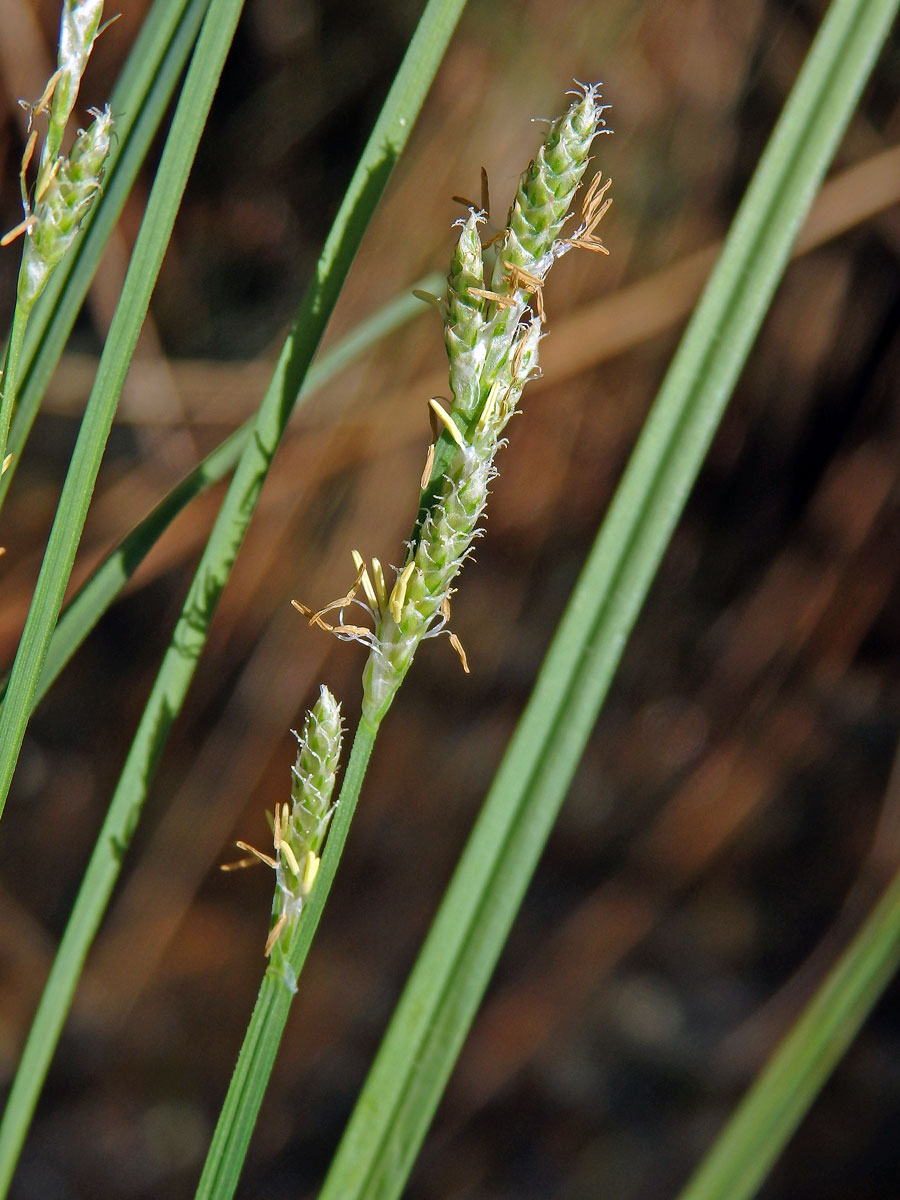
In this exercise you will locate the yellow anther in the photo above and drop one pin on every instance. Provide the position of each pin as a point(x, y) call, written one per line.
point(287, 853)
point(22, 227)
point(276, 828)
point(275, 933)
point(311, 862)
point(447, 421)
point(489, 405)
point(263, 858)
point(497, 297)
point(398, 595)
point(380, 589)
point(426, 471)
point(366, 581)
point(457, 646)
point(45, 99)
point(315, 618)
point(241, 864)
point(5, 466)
point(355, 631)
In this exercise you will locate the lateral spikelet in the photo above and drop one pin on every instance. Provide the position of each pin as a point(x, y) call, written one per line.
point(67, 196)
point(465, 318)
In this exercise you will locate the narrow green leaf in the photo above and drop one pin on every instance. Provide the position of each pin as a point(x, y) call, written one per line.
point(105, 583)
point(150, 247)
point(167, 695)
point(426, 1033)
point(144, 89)
point(748, 1146)
point(156, 228)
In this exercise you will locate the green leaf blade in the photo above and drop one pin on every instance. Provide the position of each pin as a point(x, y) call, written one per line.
point(445, 987)
point(139, 101)
point(747, 1148)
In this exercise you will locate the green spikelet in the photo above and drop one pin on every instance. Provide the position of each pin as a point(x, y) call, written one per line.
point(465, 319)
point(313, 775)
point(77, 31)
point(548, 185)
point(67, 195)
point(300, 828)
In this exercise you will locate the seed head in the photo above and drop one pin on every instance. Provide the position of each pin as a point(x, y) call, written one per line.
point(64, 201)
point(77, 31)
point(465, 317)
point(548, 185)
point(492, 335)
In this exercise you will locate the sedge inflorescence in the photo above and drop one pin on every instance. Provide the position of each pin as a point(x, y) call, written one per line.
point(493, 316)
point(66, 185)
point(299, 828)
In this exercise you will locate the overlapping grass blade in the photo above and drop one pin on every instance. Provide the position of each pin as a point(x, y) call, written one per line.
point(385, 144)
point(748, 1146)
point(438, 1004)
point(140, 98)
point(98, 592)
point(156, 228)
point(165, 197)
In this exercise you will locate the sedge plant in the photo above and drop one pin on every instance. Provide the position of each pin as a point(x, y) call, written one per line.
point(493, 316)
point(256, 450)
point(65, 186)
point(493, 312)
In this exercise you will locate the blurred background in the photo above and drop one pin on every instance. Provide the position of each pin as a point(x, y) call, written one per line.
point(737, 810)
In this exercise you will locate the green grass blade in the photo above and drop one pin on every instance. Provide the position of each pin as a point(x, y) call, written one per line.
point(438, 1004)
point(187, 126)
point(105, 583)
point(766, 1118)
point(170, 687)
point(156, 228)
point(139, 101)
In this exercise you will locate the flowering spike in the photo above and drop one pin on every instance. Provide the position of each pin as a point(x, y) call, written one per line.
point(299, 830)
point(77, 30)
point(63, 198)
point(548, 185)
point(491, 332)
point(465, 317)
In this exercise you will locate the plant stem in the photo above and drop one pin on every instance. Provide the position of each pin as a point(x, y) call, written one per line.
point(10, 374)
point(263, 1037)
point(745, 1150)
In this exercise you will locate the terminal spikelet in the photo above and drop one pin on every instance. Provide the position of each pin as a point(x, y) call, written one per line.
point(65, 188)
point(548, 186)
point(78, 28)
